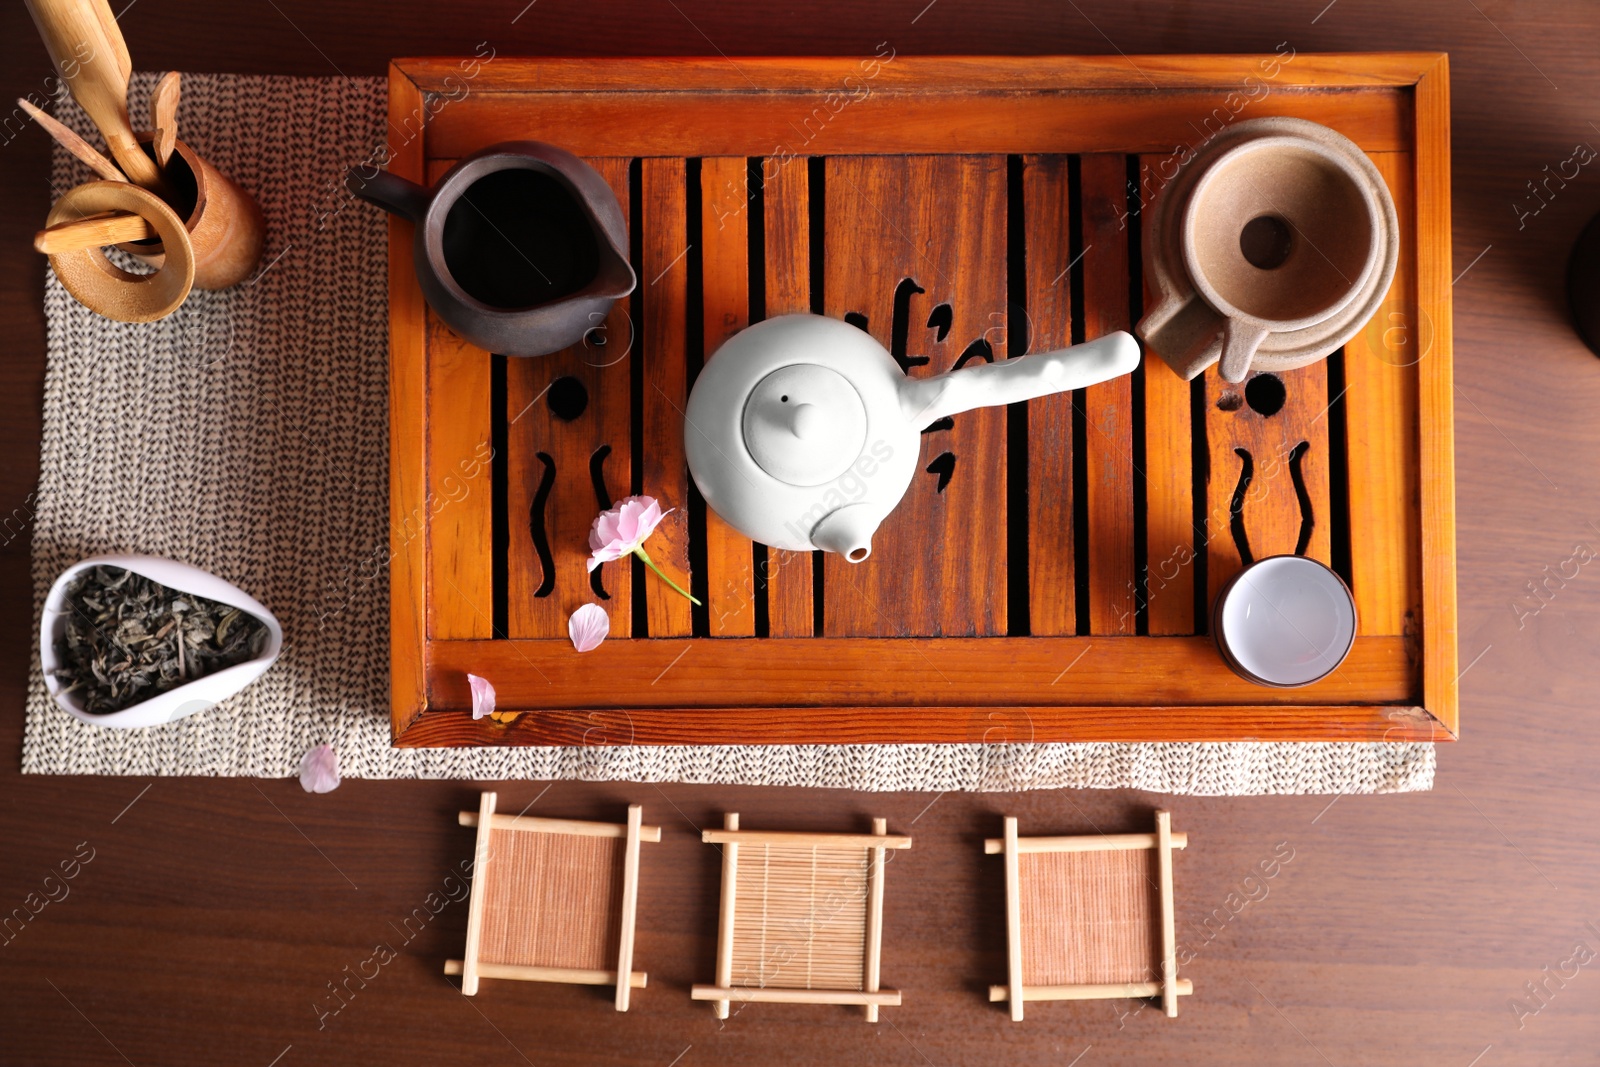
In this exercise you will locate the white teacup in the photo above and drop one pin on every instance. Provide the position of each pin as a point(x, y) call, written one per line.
point(1284, 621)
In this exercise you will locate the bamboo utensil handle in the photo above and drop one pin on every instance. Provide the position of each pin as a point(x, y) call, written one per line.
point(75, 144)
point(164, 116)
point(113, 35)
point(88, 51)
point(95, 231)
point(165, 141)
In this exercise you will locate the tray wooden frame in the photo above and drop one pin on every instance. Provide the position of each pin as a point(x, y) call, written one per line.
point(1400, 683)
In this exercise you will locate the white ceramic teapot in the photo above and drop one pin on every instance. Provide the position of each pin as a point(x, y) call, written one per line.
point(802, 432)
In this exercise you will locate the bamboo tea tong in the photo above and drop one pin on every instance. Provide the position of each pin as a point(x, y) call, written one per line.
point(93, 231)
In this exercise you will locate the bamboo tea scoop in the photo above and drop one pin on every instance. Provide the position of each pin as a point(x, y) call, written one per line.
point(69, 140)
point(90, 55)
point(95, 231)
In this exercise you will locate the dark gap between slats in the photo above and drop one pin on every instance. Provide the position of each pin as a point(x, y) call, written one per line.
point(641, 619)
point(694, 343)
point(816, 194)
point(1338, 471)
point(1080, 419)
point(1141, 482)
point(1199, 451)
point(1017, 585)
point(499, 507)
point(755, 213)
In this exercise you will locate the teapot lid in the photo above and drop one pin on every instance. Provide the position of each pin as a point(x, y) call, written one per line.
point(805, 424)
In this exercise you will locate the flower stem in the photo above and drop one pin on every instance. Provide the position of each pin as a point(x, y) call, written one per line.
point(648, 562)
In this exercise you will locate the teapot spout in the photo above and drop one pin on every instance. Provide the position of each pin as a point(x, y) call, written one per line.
point(847, 531)
point(1010, 381)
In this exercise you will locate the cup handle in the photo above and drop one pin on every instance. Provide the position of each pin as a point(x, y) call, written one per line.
point(1239, 344)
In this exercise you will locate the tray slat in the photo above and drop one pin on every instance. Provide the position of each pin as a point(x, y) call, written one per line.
point(786, 203)
point(409, 579)
point(725, 288)
point(664, 292)
point(1108, 407)
point(1170, 530)
point(1436, 398)
point(1265, 509)
point(1052, 553)
point(550, 463)
point(1380, 368)
point(457, 516)
point(1168, 672)
point(749, 123)
point(938, 564)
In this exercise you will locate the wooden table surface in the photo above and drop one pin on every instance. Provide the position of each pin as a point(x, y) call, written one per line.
point(209, 919)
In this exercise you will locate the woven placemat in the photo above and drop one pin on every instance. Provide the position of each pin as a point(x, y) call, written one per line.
point(247, 434)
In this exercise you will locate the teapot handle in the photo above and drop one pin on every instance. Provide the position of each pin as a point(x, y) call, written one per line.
point(1008, 381)
point(391, 192)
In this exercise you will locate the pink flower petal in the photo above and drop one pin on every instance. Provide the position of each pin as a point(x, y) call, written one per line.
point(650, 517)
point(628, 521)
point(605, 554)
point(617, 531)
point(604, 530)
point(588, 627)
point(319, 770)
point(482, 696)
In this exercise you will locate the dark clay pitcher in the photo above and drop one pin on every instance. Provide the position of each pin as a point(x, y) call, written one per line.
point(521, 247)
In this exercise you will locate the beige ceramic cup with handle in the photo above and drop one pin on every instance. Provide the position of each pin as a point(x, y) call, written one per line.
point(1278, 234)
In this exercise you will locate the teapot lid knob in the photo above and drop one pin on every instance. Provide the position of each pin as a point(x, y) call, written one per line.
point(805, 424)
point(808, 421)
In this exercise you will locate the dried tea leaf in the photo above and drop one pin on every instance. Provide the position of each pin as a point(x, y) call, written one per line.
point(128, 639)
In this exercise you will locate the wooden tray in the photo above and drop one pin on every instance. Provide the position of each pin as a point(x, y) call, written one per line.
point(1048, 577)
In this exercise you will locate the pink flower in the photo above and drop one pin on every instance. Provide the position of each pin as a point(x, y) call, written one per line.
point(588, 627)
point(319, 770)
point(482, 696)
point(621, 530)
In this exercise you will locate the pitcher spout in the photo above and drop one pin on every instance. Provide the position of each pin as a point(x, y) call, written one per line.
point(615, 278)
point(847, 531)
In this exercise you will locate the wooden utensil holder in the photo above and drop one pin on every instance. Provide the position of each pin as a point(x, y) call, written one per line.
point(224, 222)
